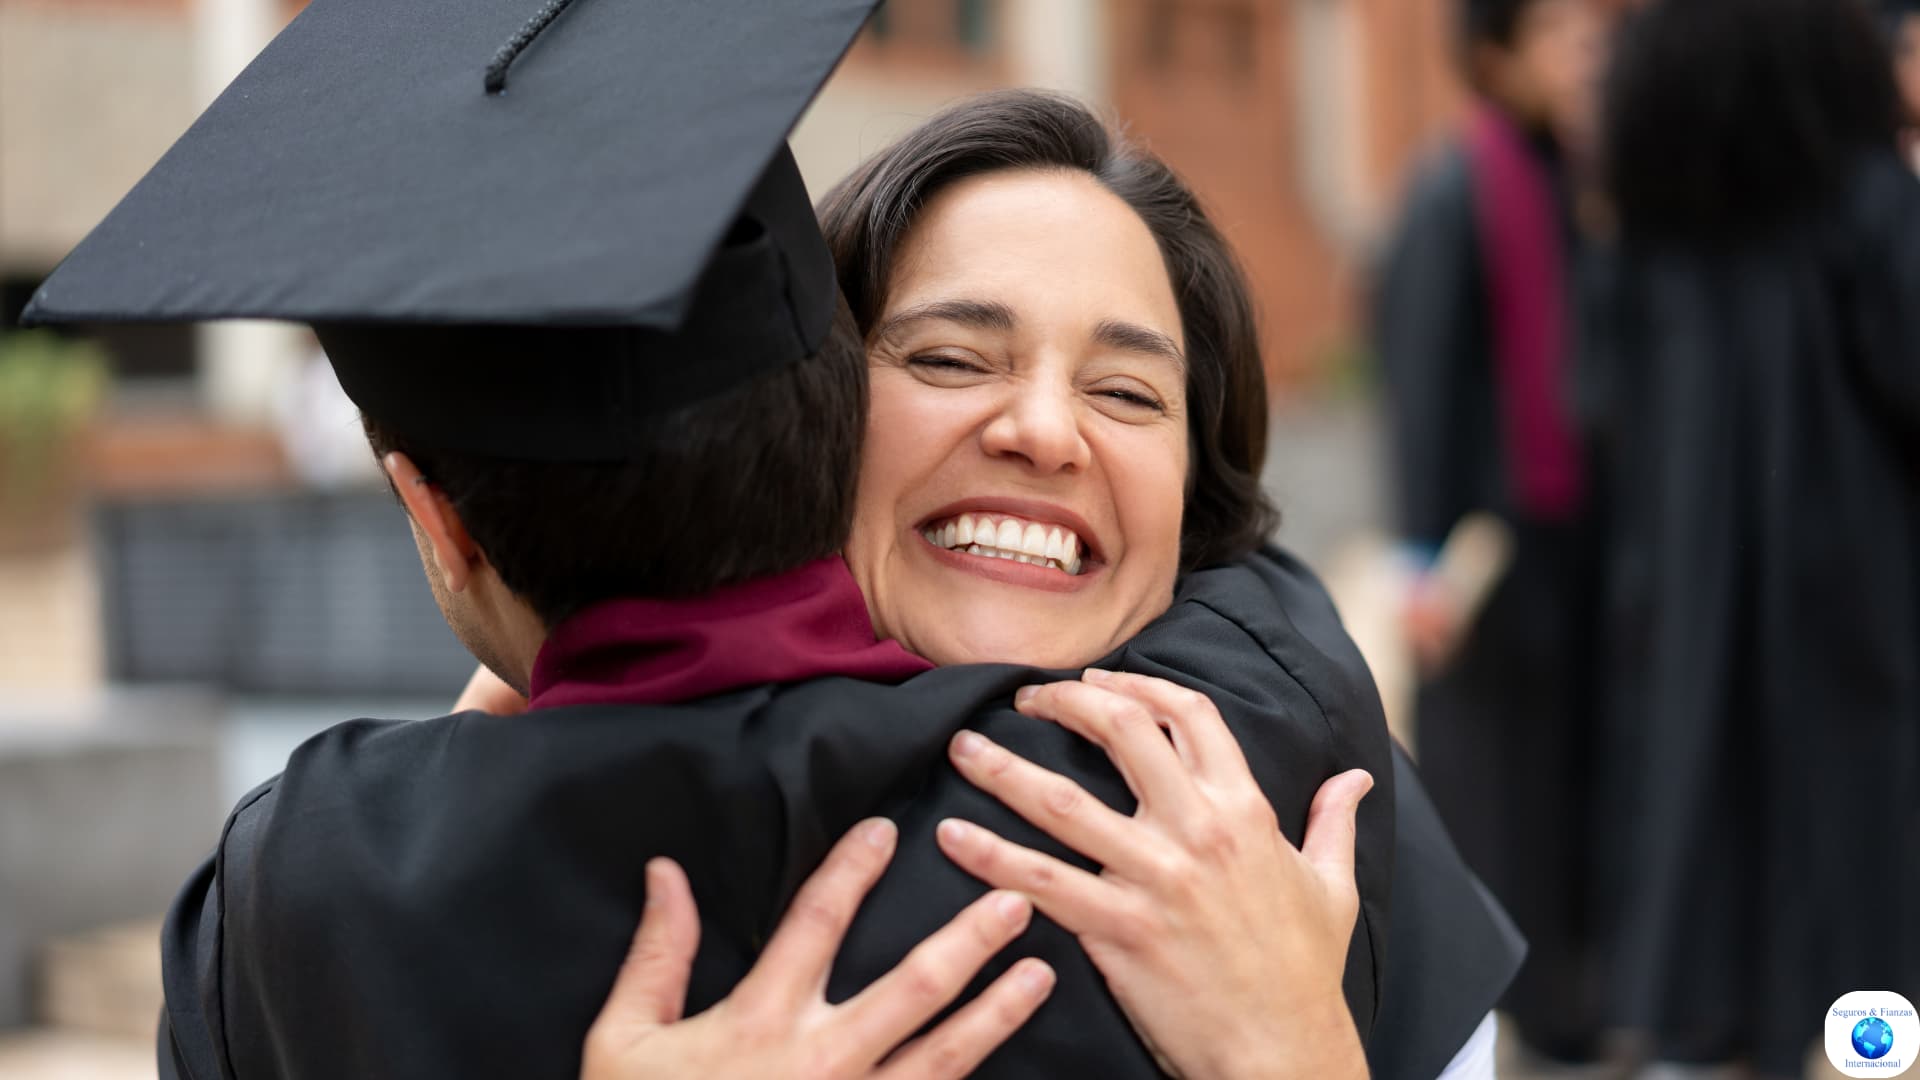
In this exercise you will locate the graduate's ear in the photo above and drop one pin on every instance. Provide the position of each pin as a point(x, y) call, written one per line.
point(447, 541)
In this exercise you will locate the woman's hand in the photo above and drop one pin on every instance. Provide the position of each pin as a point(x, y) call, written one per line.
point(1224, 944)
point(489, 693)
point(777, 1021)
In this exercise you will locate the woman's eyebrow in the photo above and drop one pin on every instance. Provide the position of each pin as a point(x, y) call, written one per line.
point(976, 314)
point(1131, 337)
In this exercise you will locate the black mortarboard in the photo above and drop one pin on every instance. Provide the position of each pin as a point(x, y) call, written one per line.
point(518, 226)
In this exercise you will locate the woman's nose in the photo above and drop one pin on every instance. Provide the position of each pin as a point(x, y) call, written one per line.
point(1041, 426)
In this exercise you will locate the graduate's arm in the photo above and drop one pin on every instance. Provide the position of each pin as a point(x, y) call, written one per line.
point(192, 1037)
point(188, 1048)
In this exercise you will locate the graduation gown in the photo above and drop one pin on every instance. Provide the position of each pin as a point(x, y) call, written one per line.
point(1761, 408)
point(1506, 732)
point(453, 897)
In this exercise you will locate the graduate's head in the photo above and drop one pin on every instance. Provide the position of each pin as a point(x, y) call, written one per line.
point(753, 481)
point(601, 347)
point(1539, 60)
point(1068, 405)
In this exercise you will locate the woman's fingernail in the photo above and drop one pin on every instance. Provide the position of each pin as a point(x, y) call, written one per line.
point(1096, 675)
point(954, 831)
point(967, 745)
point(877, 833)
point(653, 881)
point(1035, 976)
point(1024, 695)
point(1011, 906)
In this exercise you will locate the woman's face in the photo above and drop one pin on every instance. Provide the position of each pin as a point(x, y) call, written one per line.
point(1026, 456)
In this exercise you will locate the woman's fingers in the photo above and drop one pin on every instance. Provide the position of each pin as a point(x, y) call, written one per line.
point(1080, 901)
point(1210, 749)
point(1328, 844)
point(958, 1046)
point(1054, 804)
point(651, 988)
point(794, 965)
point(934, 973)
point(1129, 734)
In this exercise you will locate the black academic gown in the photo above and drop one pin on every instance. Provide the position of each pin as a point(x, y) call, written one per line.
point(452, 897)
point(1762, 412)
point(1506, 733)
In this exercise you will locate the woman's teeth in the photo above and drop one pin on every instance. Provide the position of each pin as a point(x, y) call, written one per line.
point(1009, 538)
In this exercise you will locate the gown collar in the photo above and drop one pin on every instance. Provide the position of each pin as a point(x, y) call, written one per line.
point(802, 624)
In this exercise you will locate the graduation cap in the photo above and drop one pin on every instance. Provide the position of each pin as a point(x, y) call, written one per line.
point(518, 226)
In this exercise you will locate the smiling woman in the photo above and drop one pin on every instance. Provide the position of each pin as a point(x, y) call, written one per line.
point(1065, 383)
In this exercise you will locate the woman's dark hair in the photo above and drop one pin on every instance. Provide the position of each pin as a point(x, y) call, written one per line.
point(869, 213)
point(755, 481)
point(1726, 118)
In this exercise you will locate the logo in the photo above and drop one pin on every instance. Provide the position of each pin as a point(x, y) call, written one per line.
point(1872, 1033)
point(1872, 1038)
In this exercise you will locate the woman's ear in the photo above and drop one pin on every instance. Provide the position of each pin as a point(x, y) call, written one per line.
point(447, 542)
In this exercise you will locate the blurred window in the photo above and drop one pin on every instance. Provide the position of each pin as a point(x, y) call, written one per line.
point(973, 23)
point(945, 25)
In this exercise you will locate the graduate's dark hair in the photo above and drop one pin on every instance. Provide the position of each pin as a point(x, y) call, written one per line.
point(1725, 118)
point(754, 481)
point(868, 215)
point(1489, 22)
point(1481, 23)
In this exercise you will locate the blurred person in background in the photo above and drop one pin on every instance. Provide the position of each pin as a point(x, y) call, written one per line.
point(1757, 376)
point(1472, 323)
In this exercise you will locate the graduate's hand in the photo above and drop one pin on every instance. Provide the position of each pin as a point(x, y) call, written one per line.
point(489, 693)
point(777, 1021)
point(1224, 944)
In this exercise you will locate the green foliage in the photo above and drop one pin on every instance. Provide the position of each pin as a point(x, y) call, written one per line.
point(50, 388)
point(1348, 369)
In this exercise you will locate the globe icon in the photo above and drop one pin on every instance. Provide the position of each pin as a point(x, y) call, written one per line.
point(1872, 1038)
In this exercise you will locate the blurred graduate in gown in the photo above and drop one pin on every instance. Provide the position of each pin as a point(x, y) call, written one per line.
point(1472, 323)
point(1760, 372)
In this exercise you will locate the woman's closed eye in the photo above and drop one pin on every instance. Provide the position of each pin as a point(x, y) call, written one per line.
point(1138, 399)
point(1129, 398)
point(947, 368)
point(945, 363)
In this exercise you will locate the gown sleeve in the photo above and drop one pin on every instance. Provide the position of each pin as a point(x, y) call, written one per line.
point(192, 1038)
point(1453, 948)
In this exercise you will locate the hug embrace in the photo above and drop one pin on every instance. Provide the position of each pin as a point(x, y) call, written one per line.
point(873, 608)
